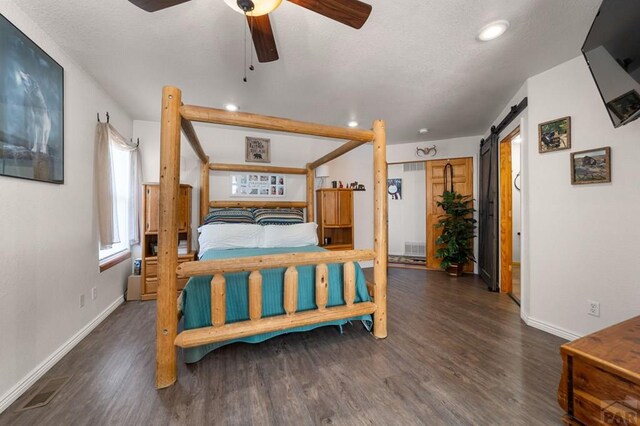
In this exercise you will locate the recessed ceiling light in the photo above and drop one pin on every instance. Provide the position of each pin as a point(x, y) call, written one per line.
point(423, 131)
point(352, 123)
point(493, 30)
point(231, 107)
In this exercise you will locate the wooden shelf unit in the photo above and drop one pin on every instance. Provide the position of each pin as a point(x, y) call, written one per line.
point(150, 211)
point(335, 217)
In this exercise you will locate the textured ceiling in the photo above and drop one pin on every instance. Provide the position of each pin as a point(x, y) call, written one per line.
point(414, 63)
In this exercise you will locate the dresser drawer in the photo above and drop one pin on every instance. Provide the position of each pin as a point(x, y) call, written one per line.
point(603, 385)
point(151, 267)
point(151, 264)
point(151, 285)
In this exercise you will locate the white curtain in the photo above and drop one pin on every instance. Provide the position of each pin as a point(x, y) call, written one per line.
point(108, 138)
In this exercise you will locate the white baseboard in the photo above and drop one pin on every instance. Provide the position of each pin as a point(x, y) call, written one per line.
point(27, 381)
point(549, 328)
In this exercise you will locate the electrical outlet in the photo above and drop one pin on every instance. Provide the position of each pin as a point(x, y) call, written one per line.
point(94, 293)
point(82, 300)
point(594, 308)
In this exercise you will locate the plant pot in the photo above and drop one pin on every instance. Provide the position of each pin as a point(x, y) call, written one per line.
point(455, 270)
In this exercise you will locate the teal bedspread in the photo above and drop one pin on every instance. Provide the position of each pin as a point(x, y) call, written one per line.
point(196, 297)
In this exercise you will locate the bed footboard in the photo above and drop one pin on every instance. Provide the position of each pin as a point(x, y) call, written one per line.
point(219, 331)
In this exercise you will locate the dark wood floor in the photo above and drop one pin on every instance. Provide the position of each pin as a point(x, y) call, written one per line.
point(456, 354)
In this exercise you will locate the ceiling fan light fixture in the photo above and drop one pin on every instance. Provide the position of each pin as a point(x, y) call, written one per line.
point(260, 7)
point(493, 30)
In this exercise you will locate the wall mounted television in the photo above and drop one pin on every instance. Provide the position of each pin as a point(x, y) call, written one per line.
point(612, 51)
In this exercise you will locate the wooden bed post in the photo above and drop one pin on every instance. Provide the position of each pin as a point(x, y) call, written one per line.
point(310, 193)
point(380, 229)
point(204, 190)
point(167, 312)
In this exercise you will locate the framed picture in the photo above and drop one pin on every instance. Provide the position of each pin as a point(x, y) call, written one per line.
point(554, 135)
point(626, 105)
point(258, 185)
point(258, 150)
point(591, 166)
point(394, 188)
point(31, 109)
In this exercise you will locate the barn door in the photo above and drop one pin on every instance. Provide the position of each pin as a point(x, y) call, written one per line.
point(462, 183)
point(488, 203)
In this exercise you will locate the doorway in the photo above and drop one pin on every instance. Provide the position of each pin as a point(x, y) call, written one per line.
point(510, 207)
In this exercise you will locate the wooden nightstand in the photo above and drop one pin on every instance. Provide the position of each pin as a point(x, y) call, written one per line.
point(335, 218)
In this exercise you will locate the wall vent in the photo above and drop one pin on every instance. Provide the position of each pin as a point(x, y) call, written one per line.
point(413, 167)
point(414, 249)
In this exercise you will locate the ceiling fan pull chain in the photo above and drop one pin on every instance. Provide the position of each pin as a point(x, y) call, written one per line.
point(245, 49)
point(251, 46)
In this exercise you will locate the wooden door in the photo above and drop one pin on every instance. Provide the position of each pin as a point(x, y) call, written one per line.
point(462, 183)
point(506, 214)
point(488, 209)
point(345, 201)
point(151, 203)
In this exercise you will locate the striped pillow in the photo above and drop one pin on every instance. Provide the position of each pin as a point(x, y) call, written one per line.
point(230, 216)
point(278, 216)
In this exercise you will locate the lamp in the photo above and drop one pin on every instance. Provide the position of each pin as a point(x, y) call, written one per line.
point(322, 172)
point(253, 8)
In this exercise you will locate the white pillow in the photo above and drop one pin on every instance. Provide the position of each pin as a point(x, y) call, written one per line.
point(298, 235)
point(225, 236)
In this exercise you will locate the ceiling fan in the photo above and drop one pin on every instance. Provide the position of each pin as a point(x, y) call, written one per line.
point(353, 13)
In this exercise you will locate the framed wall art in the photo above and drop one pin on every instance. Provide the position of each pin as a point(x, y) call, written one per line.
point(258, 185)
point(258, 150)
point(591, 166)
point(31, 109)
point(625, 106)
point(554, 135)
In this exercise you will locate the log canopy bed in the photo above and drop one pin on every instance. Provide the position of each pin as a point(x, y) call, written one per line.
point(324, 266)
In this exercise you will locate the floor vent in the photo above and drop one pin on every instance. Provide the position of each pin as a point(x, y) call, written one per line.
point(414, 249)
point(44, 394)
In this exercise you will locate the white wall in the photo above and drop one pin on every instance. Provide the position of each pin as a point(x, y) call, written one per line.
point(49, 244)
point(583, 239)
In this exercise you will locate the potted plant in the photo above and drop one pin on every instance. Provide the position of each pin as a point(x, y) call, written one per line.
point(458, 231)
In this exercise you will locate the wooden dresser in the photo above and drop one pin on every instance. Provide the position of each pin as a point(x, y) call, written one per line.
point(150, 207)
point(335, 218)
point(600, 382)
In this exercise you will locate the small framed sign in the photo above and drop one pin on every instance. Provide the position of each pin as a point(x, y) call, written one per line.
point(258, 150)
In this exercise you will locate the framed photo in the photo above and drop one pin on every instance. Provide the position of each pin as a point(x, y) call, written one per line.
point(394, 188)
point(591, 166)
point(258, 150)
point(554, 135)
point(31, 109)
point(258, 185)
point(626, 105)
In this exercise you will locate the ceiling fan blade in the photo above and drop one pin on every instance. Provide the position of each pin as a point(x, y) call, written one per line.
point(353, 13)
point(155, 5)
point(263, 40)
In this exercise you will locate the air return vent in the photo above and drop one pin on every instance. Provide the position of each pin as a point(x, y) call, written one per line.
point(413, 167)
point(414, 249)
point(44, 394)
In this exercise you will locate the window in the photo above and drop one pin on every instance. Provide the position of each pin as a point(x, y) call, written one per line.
point(121, 175)
point(118, 180)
